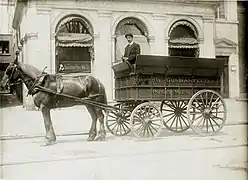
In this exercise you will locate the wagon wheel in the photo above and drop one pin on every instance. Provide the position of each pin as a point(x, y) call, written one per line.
point(209, 116)
point(146, 121)
point(175, 115)
point(118, 121)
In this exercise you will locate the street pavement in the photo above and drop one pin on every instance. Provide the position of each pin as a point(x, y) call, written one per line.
point(169, 156)
point(16, 122)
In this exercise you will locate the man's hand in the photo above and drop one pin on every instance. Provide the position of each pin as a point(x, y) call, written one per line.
point(124, 58)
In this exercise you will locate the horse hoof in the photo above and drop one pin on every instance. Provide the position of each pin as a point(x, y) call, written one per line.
point(91, 138)
point(48, 143)
point(100, 138)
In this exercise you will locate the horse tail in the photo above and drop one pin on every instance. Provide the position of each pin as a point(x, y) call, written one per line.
point(103, 93)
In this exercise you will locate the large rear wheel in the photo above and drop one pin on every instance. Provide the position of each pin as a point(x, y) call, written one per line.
point(209, 115)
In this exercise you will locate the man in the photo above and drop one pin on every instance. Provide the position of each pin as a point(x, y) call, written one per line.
point(131, 50)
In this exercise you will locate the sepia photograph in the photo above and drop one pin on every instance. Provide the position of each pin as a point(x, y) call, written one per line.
point(123, 89)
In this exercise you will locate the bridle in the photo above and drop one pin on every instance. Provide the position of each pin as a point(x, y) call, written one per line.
point(16, 68)
point(18, 81)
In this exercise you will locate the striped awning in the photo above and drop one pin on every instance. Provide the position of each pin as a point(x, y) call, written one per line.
point(183, 43)
point(74, 40)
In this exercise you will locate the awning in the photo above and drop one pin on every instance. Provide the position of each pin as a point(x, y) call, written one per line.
point(183, 43)
point(74, 40)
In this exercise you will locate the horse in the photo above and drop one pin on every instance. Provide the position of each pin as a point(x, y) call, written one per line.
point(80, 87)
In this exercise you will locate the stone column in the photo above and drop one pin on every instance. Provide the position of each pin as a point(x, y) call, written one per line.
point(233, 66)
point(45, 38)
point(103, 60)
point(159, 24)
point(29, 54)
point(207, 49)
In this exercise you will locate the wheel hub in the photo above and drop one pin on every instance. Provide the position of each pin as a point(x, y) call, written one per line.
point(207, 112)
point(178, 112)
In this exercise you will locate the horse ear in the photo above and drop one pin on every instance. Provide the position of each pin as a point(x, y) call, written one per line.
point(16, 59)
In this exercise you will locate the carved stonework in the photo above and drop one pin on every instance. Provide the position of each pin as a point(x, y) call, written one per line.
point(225, 43)
point(159, 7)
point(225, 47)
point(29, 36)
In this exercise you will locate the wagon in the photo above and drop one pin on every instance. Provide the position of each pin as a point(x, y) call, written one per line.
point(178, 93)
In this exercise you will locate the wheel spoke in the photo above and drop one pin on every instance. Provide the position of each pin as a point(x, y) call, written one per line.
point(155, 124)
point(185, 122)
point(124, 123)
point(176, 122)
point(193, 112)
point(207, 124)
point(217, 106)
point(193, 120)
point(170, 118)
point(168, 110)
point(147, 129)
point(211, 99)
point(195, 107)
point(206, 99)
point(222, 119)
point(171, 106)
point(180, 123)
point(215, 122)
point(200, 121)
point(112, 116)
point(173, 122)
point(153, 128)
point(123, 128)
point(184, 116)
point(211, 124)
point(139, 128)
point(199, 104)
point(202, 100)
point(156, 120)
point(150, 130)
point(113, 123)
point(117, 128)
point(167, 115)
point(214, 102)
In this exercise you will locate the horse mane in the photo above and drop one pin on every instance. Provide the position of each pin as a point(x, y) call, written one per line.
point(30, 70)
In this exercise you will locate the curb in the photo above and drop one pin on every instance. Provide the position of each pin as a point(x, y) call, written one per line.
point(16, 137)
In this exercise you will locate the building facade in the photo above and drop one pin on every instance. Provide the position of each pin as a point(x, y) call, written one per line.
point(8, 96)
point(87, 37)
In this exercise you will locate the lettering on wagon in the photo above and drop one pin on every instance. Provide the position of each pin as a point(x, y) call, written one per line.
point(174, 92)
point(185, 80)
point(146, 80)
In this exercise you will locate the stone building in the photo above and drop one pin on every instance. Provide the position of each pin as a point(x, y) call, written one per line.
point(7, 49)
point(87, 37)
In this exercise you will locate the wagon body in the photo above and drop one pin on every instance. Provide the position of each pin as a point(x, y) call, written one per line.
point(157, 78)
point(190, 91)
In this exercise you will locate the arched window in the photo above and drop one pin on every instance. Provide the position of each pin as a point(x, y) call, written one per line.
point(138, 29)
point(74, 45)
point(183, 39)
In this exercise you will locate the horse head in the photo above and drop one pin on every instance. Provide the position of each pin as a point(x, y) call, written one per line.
point(12, 73)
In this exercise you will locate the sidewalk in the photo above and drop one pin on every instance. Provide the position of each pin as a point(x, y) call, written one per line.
point(18, 122)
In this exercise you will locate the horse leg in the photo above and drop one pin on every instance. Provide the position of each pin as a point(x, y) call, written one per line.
point(50, 134)
point(102, 132)
point(92, 132)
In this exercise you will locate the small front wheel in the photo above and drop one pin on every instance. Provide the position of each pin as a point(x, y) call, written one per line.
point(118, 120)
point(146, 121)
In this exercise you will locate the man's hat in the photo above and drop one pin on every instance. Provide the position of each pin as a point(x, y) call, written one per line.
point(129, 34)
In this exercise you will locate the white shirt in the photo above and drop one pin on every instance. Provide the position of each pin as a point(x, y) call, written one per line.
point(130, 43)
